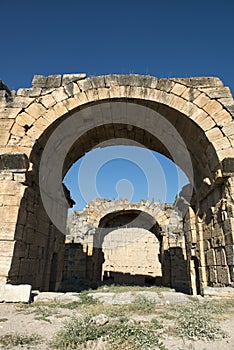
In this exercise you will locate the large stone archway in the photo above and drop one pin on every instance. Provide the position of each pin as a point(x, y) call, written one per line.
point(200, 110)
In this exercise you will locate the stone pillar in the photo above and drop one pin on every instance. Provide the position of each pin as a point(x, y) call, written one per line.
point(217, 214)
point(13, 170)
point(32, 248)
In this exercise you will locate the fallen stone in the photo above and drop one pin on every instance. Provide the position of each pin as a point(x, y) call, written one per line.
point(15, 293)
point(68, 298)
point(100, 320)
point(175, 298)
point(218, 291)
point(48, 296)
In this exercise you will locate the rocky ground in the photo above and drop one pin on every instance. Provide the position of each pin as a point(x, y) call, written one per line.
point(46, 316)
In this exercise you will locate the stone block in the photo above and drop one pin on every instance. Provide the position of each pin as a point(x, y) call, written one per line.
point(59, 94)
point(214, 134)
point(35, 110)
point(220, 256)
point(14, 161)
point(212, 107)
point(165, 85)
point(47, 101)
point(201, 100)
point(223, 275)
point(85, 84)
point(17, 130)
point(5, 265)
point(9, 214)
point(210, 257)
point(21, 102)
point(9, 113)
point(217, 92)
point(200, 81)
point(178, 89)
point(15, 293)
point(212, 274)
point(47, 81)
point(7, 248)
point(228, 129)
point(29, 92)
point(25, 119)
point(68, 78)
point(48, 297)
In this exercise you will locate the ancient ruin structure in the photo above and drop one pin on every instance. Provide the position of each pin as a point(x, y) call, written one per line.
point(46, 128)
point(125, 243)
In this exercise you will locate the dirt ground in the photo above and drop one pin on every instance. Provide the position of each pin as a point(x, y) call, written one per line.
point(17, 319)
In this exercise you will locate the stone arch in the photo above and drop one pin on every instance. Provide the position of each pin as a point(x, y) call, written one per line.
point(147, 235)
point(200, 109)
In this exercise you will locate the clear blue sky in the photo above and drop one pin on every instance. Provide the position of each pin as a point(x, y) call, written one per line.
point(167, 38)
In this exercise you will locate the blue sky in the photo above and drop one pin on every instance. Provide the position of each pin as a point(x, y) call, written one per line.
point(167, 38)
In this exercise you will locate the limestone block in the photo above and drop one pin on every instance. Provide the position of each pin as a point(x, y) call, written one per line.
point(9, 214)
point(29, 92)
point(17, 130)
point(5, 126)
point(7, 231)
point(203, 120)
point(178, 89)
point(59, 94)
point(85, 84)
point(228, 129)
point(111, 79)
point(5, 265)
point(13, 161)
point(15, 293)
point(222, 143)
point(25, 119)
point(8, 200)
point(200, 81)
point(9, 113)
point(214, 134)
point(190, 94)
point(41, 123)
point(67, 78)
point(48, 297)
point(47, 101)
point(60, 109)
point(217, 92)
point(212, 274)
point(212, 107)
point(148, 81)
point(98, 82)
point(220, 256)
point(7, 248)
point(34, 133)
point(71, 103)
point(223, 275)
point(201, 100)
point(165, 85)
point(92, 95)
point(22, 102)
point(36, 110)
point(210, 257)
point(47, 81)
point(51, 115)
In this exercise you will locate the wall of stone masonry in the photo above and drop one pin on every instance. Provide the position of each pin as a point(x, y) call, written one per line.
point(127, 254)
point(209, 236)
point(31, 246)
point(131, 255)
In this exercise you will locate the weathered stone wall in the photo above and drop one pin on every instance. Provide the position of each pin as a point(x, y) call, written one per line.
point(29, 242)
point(131, 249)
point(200, 109)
